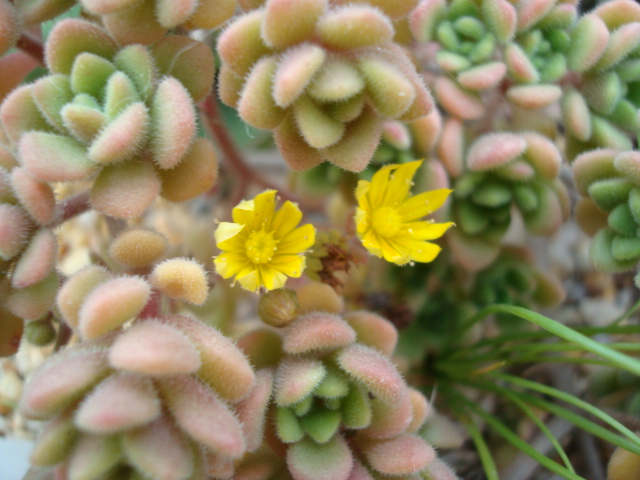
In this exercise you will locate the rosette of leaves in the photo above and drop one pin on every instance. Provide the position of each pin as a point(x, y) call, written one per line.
point(146, 21)
point(325, 84)
point(496, 174)
point(600, 110)
point(122, 117)
point(536, 55)
point(28, 253)
point(341, 409)
point(468, 35)
point(140, 395)
point(609, 183)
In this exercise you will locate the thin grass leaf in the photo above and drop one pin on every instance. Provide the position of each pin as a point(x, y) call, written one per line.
point(488, 464)
point(620, 360)
point(572, 400)
point(520, 444)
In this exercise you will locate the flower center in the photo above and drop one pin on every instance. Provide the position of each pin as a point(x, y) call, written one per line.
point(260, 246)
point(386, 222)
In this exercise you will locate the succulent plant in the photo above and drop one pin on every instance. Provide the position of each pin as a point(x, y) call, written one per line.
point(150, 396)
point(324, 85)
point(609, 209)
point(497, 172)
point(110, 114)
point(600, 109)
point(341, 408)
point(147, 21)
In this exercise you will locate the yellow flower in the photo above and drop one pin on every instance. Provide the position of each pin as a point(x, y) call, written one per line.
point(388, 218)
point(262, 246)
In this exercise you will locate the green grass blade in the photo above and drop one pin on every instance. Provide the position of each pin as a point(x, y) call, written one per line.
point(620, 360)
point(572, 400)
point(541, 426)
point(520, 444)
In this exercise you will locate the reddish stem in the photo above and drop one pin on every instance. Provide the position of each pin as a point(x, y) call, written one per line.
point(152, 308)
point(237, 163)
point(72, 207)
point(31, 45)
point(64, 335)
point(233, 155)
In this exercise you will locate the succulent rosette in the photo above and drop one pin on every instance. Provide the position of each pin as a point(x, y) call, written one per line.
point(340, 407)
point(600, 110)
point(468, 35)
point(609, 209)
point(480, 44)
point(536, 56)
point(141, 394)
point(490, 177)
point(324, 84)
point(28, 253)
point(123, 117)
point(146, 21)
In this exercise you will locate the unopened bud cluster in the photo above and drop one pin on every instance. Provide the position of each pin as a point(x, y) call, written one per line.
point(325, 82)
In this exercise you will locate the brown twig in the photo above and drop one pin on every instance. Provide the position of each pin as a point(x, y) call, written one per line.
point(64, 335)
point(224, 141)
point(32, 46)
point(233, 156)
point(72, 207)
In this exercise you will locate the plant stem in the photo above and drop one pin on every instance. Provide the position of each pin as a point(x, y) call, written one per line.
point(235, 159)
point(71, 207)
point(32, 46)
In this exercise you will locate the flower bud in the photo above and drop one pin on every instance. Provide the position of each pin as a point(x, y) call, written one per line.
point(40, 332)
point(278, 307)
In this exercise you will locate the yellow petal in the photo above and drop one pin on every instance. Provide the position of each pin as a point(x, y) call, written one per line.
point(243, 212)
point(428, 231)
point(423, 204)
point(250, 281)
point(419, 251)
point(298, 240)
point(271, 278)
point(371, 242)
point(290, 265)
point(361, 193)
point(226, 231)
point(264, 208)
point(400, 183)
point(230, 263)
point(286, 219)
point(362, 220)
point(379, 185)
point(391, 252)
